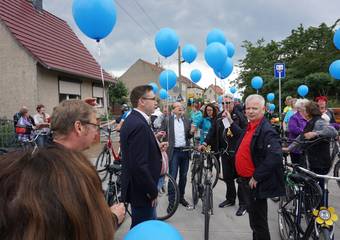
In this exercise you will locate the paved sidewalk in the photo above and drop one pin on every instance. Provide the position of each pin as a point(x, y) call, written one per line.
point(224, 223)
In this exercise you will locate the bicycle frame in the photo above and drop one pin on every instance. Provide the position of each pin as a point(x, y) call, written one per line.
point(109, 145)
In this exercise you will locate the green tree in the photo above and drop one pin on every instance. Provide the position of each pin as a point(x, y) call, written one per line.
point(118, 93)
point(307, 54)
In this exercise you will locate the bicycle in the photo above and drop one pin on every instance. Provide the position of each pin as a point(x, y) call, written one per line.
point(31, 144)
point(305, 200)
point(197, 165)
point(103, 161)
point(167, 183)
point(203, 180)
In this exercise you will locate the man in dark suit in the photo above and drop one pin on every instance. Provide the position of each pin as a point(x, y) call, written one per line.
point(178, 132)
point(221, 137)
point(141, 157)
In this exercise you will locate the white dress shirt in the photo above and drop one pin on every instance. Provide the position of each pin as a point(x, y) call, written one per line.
point(147, 118)
point(179, 132)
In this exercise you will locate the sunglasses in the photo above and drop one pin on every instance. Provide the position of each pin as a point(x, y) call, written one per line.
point(227, 103)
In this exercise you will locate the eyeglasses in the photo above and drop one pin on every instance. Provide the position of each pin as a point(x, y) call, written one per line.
point(149, 98)
point(227, 103)
point(93, 124)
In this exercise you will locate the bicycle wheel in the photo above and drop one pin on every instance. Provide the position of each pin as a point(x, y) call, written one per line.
point(102, 163)
point(215, 170)
point(337, 171)
point(196, 178)
point(286, 211)
point(168, 197)
point(325, 234)
point(207, 206)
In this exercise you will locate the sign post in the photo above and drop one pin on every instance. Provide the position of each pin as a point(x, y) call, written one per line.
point(280, 72)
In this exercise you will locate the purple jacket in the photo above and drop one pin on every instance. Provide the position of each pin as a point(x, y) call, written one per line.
point(296, 125)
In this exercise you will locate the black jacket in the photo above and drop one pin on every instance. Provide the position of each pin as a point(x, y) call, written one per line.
point(266, 153)
point(141, 159)
point(218, 137)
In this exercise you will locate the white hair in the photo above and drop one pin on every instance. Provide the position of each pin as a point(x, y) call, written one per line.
point(301, 103)
point(256, 97)
point(227, 95)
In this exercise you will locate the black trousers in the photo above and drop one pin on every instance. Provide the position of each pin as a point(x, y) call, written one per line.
point(257, 210)
point(229, 176)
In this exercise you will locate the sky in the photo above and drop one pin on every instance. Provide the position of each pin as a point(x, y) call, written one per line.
point(138, 21)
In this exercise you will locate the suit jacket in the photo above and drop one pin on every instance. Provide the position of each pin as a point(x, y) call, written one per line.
point(141, 158)
point(170, 133)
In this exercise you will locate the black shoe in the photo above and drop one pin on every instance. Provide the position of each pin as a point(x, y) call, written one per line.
point(226, 203)
point(184, 202)
point(241, 211)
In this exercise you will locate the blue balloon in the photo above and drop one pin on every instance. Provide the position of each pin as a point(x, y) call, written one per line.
point(302, 90)
point(220, 99)
point(216, 35)
point(166, 42)
point(167, 79)
point(230, 49)
point(195, 75)
point(336, 39)
point(271, 107)
point(270, 97)
point(95, 18)
point(153, 230)
point(163, 94)
point(257, 82)
point(233, 90)
point(226, 70)
point(154, 87)
point(334, 69)
point(189, 53)
point(215, 55)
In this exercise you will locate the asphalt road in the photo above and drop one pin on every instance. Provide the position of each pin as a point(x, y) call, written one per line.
point(224, 223)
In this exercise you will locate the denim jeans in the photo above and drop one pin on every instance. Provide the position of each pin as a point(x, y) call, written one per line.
point(179, 162)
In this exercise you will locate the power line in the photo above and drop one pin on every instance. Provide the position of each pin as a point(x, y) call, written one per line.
point(147, 15)
point(134, 20)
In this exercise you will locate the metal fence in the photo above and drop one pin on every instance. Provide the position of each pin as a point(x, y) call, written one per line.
point(7, 134)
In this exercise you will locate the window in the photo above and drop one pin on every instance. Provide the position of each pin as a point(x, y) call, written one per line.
point(98, 94)
point(69, 89)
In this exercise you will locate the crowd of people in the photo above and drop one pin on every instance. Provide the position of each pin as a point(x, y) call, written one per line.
point(60, 181)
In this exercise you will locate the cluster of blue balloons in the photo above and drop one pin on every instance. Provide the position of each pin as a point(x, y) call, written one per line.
point(153, 230)
point(257, 82)
point(334, 68)
point(218, 53)
point(270, 97)
point(302, 90)
point(95, 18)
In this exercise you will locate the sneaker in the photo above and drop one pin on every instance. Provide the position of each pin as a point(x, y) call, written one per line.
point(241, 211)
point(275, 199)
point(184, 202)
point(226, 203)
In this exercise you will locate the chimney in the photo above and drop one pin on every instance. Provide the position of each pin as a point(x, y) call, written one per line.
point(38, 5)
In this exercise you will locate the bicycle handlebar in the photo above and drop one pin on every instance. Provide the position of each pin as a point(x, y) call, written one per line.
point(313, 174)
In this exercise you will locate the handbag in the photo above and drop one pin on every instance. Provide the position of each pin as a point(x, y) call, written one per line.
point(165, 163)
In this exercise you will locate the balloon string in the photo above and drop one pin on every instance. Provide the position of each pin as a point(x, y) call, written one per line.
point(103, 83)
point(167, 100)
